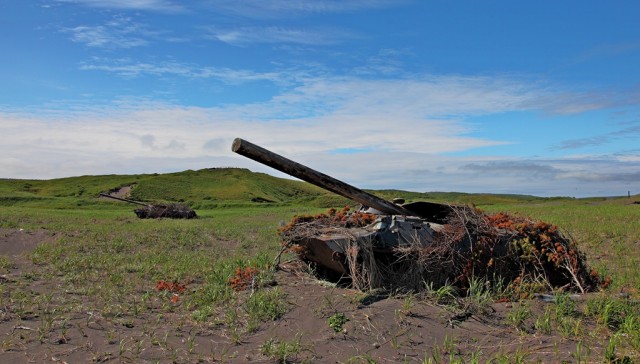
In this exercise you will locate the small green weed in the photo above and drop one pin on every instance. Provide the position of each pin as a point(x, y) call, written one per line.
point(445, 294)
point(5, 264)
point(337, 321)
point(283, 351)
point(407, 304)
point(582, 353)
point(518, 357)
point(610, 350)
point(517, 316)
point(569, 326)
point(448, 344)
point(479, 291)
point(361, 359)
point(607, 311)
point(565, 306)
point(543, 322)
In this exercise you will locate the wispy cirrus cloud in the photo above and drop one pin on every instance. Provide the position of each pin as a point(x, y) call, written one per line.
point(631, 132)
point(387, 61)
point(120, 32)
point(287, 8)
point(130, 68)
point(275, 34)
point(150, 5)
point(307, 91)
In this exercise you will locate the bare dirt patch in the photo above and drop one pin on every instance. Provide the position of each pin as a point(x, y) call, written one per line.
point(122, 192)
point(16, 242)
point(44, 320)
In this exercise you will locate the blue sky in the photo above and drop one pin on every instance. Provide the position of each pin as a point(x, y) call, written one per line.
point(520, 97)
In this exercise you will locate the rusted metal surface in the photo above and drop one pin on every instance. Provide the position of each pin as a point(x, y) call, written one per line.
point(327, 250)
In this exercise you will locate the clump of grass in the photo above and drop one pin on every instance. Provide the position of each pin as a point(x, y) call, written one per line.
point(438, 351)
point(565, 306)
point(622, 318)
point(407, 304)
point(607, 311)
point(543, 322)
point(201, 314)
point(480, 291)
point(265, 305)
point(282, 351)
point(610, 350)
point(517, 316)
point(582, 354)
point(517, 357)
point(569, 326)
point(444, 294)
point(232, 324)
point(5, 264)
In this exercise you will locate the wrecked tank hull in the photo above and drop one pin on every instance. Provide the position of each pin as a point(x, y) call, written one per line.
point(330, 249)
point(330, 244)
point(173, 211)
point(412, 246)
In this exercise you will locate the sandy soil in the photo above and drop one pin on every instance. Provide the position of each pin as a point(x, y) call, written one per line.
point(385, 330)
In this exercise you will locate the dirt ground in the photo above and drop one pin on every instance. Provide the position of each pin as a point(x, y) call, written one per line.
point(380, 330)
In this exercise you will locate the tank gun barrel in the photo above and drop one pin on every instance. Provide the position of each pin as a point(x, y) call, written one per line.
point(314, 177)
point(123, 199)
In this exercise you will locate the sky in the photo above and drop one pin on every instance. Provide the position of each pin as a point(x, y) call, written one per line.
point(522, 97)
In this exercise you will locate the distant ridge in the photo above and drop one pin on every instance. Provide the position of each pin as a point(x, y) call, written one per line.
point(213, 187)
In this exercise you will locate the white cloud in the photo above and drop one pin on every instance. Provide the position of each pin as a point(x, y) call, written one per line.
point(120, 32)
point(386, 62)
point(400, 131)
point(316, 118)
point(247, 35)
point(287, 8)
point(129, 68)
point(151, 5)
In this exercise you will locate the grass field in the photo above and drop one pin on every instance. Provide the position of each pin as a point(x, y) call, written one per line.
point(90, 286)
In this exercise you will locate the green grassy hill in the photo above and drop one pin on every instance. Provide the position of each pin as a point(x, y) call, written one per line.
point(206, 188)
point(460, 197)
point(216, 187)
point(212, 187)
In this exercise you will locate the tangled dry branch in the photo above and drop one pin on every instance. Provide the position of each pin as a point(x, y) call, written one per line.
point(501, 249)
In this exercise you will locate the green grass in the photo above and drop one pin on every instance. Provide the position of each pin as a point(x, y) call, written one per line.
point(202, 189)
point(517, 316)
point(106, 253)
point(605, 229)
point(282, 351)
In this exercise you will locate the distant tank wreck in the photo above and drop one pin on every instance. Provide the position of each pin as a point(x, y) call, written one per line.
point(412, 246)
point(149, 211)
